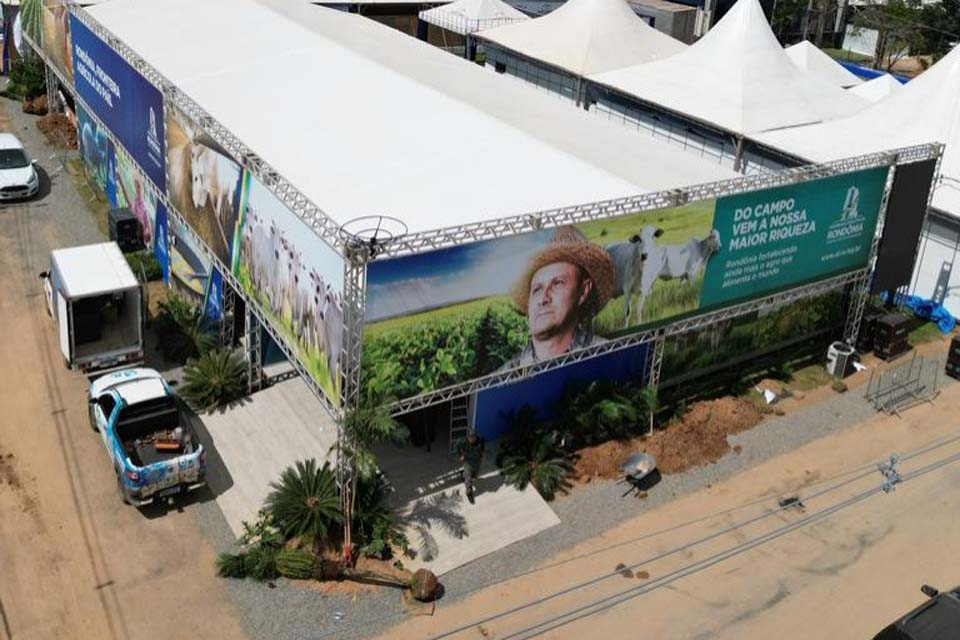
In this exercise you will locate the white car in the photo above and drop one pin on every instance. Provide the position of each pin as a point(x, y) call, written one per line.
point(18, 176)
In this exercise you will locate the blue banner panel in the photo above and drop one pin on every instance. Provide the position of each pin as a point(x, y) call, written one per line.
point(125, 101)
point(162, 249)
point(543, 392)
point(212, 306)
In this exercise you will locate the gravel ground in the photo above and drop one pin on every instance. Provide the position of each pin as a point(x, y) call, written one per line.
point(289, 613)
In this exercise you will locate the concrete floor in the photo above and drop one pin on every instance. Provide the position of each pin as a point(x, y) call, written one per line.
point(257, 439)
point(443, 527)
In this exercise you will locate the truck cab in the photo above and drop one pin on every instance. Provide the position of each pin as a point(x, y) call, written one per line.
point(149, 440)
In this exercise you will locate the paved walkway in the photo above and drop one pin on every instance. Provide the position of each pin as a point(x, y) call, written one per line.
point(255, 440)
point(446, 531)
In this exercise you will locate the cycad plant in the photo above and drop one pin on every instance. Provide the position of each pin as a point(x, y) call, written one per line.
point(305, 503)
point(545, 465)
point(184, 332)
point(214, 379)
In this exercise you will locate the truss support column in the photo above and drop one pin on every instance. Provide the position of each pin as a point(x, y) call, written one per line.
point(227, 315)
point(53, 97)
point(859, 292)
point(655, 360)
point(254, 350)
point(358, 253)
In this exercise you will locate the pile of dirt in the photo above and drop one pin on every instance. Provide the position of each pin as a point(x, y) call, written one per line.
point(37, 106)
point(58, 130)
point(699, 438)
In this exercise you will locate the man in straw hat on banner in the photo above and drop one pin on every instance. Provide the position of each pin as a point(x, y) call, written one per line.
point(564, 287)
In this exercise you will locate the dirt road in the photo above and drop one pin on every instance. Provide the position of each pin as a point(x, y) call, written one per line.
point(843, 576)
point(74, 561)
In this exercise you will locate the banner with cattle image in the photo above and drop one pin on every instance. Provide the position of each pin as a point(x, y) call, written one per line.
point(445, 317)
point(296, 278)
point(203, 185)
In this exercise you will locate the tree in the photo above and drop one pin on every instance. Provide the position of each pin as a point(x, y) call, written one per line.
point(365, 426)
point(942, 26)
point(304, 502)
point(899, 28)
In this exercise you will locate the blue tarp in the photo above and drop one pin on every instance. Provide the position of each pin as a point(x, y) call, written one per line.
point(927, 310)
point(869, 74)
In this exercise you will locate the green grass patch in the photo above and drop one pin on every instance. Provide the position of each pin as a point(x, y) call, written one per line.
point(847, 56)
point(927, 332)
point(93, 198)
point(810, 377)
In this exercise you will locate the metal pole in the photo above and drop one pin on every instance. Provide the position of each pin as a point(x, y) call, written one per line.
point(253, 350)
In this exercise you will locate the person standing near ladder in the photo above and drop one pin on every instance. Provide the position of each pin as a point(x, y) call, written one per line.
point(471, 455)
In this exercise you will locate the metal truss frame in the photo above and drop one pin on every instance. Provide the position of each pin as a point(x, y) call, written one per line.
point(513, 225)
point(254, 351)
point(311, 215)
point(625, 342)
point(228, 310)
point(255, 312)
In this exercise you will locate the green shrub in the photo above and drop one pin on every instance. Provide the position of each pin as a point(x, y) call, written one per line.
point(305, 502)
point(546, 466)
point(296, 564)
point(27, 78)
point(181, 328)
point(376, 530)
point(214, 379)
point(144, 265)
point(231, 565)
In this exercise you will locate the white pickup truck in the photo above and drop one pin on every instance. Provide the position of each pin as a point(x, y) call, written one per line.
point(152, 447)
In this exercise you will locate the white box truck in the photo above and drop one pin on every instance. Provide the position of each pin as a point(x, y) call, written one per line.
point(97, 304)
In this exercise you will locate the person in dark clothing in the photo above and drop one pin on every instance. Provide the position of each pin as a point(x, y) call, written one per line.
point(471, 455)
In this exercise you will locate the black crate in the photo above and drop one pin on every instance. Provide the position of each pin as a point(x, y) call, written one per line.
point(892, 350)
point(868, 329)
point(952, 370)
point(890, 327)
point(954, 351)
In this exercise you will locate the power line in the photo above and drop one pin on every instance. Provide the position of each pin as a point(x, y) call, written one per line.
point(919, 451)
point(538, 601)
point(609, 602)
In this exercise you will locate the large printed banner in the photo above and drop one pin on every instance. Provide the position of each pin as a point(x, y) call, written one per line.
point(496, 407)
point(125, 101)
point(55, 20)
point(95, 149)
point(296, 278)
point(447, 316)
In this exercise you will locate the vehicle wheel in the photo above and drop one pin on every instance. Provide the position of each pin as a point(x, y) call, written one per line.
point(123, 495)
point(91, 413)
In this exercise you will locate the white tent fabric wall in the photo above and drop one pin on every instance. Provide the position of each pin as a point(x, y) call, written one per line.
point(737, 77)
point(937, 274)
point(811, 59)
point(397, 127)
point(927, 109)
point(585, 37)
point(878, 88)
point(469, 16)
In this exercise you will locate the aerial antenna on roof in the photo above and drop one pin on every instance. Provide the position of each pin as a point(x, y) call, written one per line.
point(371, 232)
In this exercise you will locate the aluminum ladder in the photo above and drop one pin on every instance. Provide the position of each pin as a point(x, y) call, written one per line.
point(459, 421)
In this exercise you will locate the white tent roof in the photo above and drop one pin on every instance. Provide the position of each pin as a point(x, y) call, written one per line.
point(814, 61)
point(586, 37)
point(467, 16)
point(737, 77)
point(396, 127)
point(878, 88)
point(927, 109)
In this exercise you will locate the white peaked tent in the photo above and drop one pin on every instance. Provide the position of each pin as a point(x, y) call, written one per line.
point(737, 77)
point(815, 62)
point(926, 109)
point(468, 16)
point(586, 37)
point(878, 88)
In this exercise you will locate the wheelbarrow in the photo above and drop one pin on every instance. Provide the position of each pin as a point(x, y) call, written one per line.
point(640, 472)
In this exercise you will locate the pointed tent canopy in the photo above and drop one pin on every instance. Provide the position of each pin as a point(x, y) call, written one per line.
point(468, 16)
point(737, 77)
point(926, 109)
point(815, 62)
point(878, 88)
point(586, 37)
